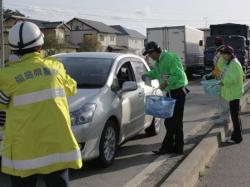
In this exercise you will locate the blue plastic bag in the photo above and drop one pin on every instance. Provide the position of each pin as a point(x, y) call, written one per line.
point(211, 87)
point(160, 106)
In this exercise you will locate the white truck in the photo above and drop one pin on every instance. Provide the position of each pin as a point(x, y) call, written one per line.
point(187, 42)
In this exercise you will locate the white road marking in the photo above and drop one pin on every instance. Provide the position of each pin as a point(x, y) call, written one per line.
point(145, 173)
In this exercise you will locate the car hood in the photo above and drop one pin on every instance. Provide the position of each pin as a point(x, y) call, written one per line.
point(83, 96)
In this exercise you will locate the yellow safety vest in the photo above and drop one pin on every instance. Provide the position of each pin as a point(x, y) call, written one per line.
point(38, 138)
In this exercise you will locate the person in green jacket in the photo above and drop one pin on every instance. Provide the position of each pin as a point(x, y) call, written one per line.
point(169, 71)
point(232, 89)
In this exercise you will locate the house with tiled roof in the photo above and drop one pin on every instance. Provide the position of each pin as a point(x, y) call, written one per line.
point(131, 39)
point(56, 30)
point(83, 29)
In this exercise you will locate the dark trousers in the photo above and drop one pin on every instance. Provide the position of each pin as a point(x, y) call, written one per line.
point(55, 179)
point(234, 111)
point(173, 140)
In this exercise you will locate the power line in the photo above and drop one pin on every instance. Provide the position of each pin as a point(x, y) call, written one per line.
point(58, 5)
point(16, 5)
point(62, 12)
point(197, 22)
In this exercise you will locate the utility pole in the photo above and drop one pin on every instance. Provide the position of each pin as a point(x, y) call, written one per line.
point(2, 34)
point(205, 19)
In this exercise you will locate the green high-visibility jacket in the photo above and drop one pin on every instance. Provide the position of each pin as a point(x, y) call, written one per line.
point(232, 81)
point(169, 64)
point(37, 138)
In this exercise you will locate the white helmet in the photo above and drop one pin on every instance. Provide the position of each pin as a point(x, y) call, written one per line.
point(25, 35)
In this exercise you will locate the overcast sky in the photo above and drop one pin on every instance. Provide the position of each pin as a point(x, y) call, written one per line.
point(137, 14)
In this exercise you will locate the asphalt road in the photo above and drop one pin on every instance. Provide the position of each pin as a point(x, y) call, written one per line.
point(135, 155)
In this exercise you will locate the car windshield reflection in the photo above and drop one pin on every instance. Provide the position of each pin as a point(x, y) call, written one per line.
point(88, 72)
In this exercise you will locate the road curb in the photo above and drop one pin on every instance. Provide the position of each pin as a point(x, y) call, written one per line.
point(192, 167)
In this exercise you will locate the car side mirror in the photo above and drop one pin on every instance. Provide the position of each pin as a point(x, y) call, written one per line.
point(115, 85)
point(129, 86)
point(201, 43)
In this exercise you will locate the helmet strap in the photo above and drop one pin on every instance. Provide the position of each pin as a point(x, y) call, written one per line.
point(20, 43)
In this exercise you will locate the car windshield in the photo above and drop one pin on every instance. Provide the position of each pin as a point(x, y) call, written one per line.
point(236, 42)
point(88, 72)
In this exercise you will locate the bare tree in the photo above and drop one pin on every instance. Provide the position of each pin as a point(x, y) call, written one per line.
point(8, 13)
point(52, 46)
point(89, 45)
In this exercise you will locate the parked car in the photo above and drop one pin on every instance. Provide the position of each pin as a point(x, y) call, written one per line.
point(109, 106)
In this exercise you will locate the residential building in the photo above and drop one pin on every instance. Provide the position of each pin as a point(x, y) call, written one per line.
point(53, 30)
point(83, 30)
point(132, 40)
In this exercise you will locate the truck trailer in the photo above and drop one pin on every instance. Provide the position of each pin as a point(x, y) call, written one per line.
point(235, 35)
point(187, 42)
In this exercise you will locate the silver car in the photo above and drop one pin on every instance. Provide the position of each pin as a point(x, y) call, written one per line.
point(109, 106)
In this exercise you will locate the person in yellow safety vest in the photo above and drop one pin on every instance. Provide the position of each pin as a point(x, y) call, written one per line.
point(217, 74)
point(218, 63)
point(38, 139)
point(9, 62)
point(218, 60)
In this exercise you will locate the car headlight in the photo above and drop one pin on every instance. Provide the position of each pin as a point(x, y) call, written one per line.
point(83, 115)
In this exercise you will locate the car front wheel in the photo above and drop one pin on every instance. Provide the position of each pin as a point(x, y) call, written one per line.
point(108, 144)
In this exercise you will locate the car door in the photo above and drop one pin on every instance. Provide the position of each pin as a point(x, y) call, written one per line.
point(141, 68)
point(132, 101)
